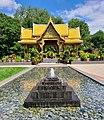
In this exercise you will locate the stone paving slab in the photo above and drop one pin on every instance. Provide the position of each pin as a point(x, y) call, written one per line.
point(94, 71)
point(51, 65)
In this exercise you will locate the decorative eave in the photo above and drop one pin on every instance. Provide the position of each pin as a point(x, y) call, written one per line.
point(79, 32)
point(28, 41)
point(21, 32)
point(33, 29)
point(73, 41)
point(22, 29)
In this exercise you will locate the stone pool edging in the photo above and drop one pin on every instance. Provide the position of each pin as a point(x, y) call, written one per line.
point(50, 65)
point(2, 83)
point(88, 75)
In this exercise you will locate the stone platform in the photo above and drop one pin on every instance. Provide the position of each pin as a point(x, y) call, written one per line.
point(52, 92)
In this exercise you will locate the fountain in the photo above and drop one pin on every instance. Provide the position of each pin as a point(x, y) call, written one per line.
point(52, 92)
point(52, 73)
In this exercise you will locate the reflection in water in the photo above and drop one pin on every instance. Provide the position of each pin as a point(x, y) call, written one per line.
point(75, 83)
point(28, 85)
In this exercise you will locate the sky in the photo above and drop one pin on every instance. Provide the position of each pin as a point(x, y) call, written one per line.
point(90, 11)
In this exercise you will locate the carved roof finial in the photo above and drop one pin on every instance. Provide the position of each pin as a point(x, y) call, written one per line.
point(50, 20)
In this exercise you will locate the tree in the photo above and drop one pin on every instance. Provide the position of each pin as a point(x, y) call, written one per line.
point(17, 49)
point(31, 15)
point(84, 31)
point(21, 14)
point(57, 20)
point(84, 28)
point(9, 33)
point(98, 39)
point(34, 15)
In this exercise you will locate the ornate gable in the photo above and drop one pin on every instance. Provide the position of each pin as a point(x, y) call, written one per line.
point(50, 32)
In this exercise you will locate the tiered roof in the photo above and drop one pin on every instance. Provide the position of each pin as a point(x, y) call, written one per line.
point(69, 35)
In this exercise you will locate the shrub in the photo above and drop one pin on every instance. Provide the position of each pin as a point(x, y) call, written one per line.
point(27, 56)
point(18, 58)
point(102, 56)
point(50, 54)
point(84, 56)
point(74, 58)
point(80, 52)
point(4, 59)
point(92, 57)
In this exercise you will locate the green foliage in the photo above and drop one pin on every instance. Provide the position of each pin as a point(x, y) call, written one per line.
point(27, 56)
point(92, 57)
point(50, 48)
point(84, 56)
point(74, 58)
point(65, 56)
point(9, 33)
point(87, 46)
point(50, 54)
point(17, 49)
point(84, 31)
point(3, 59)
point(80, 52)
point(34, 15)
point(37, 59)
point(36, 56)
point(34, 52)
point(102, 57)
point(98, 39)
point(84, 28)
point(58, 20)
point(18, 59)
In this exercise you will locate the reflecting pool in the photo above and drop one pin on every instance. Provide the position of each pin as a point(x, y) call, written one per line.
point(13, 94)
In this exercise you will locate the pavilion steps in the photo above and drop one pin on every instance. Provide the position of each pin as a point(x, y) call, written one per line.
point(50, 60)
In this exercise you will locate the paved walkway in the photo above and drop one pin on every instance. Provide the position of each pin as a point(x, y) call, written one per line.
point(94, 70)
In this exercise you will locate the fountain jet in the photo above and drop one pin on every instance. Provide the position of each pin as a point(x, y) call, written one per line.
point(52, 73)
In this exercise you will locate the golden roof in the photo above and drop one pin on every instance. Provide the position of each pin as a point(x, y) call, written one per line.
point(62, 29)
point(68, 35)
point(26, 33)
point(73, 41)
point(39, 29)
point(74, 33)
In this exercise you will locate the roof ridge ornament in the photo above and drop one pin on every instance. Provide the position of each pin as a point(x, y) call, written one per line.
point(50, 20)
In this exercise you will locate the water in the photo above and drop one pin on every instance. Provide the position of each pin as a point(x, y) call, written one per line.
point(52, 73)
point(13, 94)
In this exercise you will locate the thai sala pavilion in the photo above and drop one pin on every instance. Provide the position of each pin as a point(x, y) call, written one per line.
point(50, 34)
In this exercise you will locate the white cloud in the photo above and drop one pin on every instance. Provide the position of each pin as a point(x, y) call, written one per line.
point(91, 11)
point(9, 4)
point(10, 14)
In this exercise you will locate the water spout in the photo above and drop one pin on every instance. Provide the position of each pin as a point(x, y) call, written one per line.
point(52, 73)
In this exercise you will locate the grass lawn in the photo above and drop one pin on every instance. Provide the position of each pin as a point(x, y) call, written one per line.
point(6, 72)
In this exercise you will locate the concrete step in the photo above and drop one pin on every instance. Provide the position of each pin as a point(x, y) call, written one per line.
point(50, 60)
